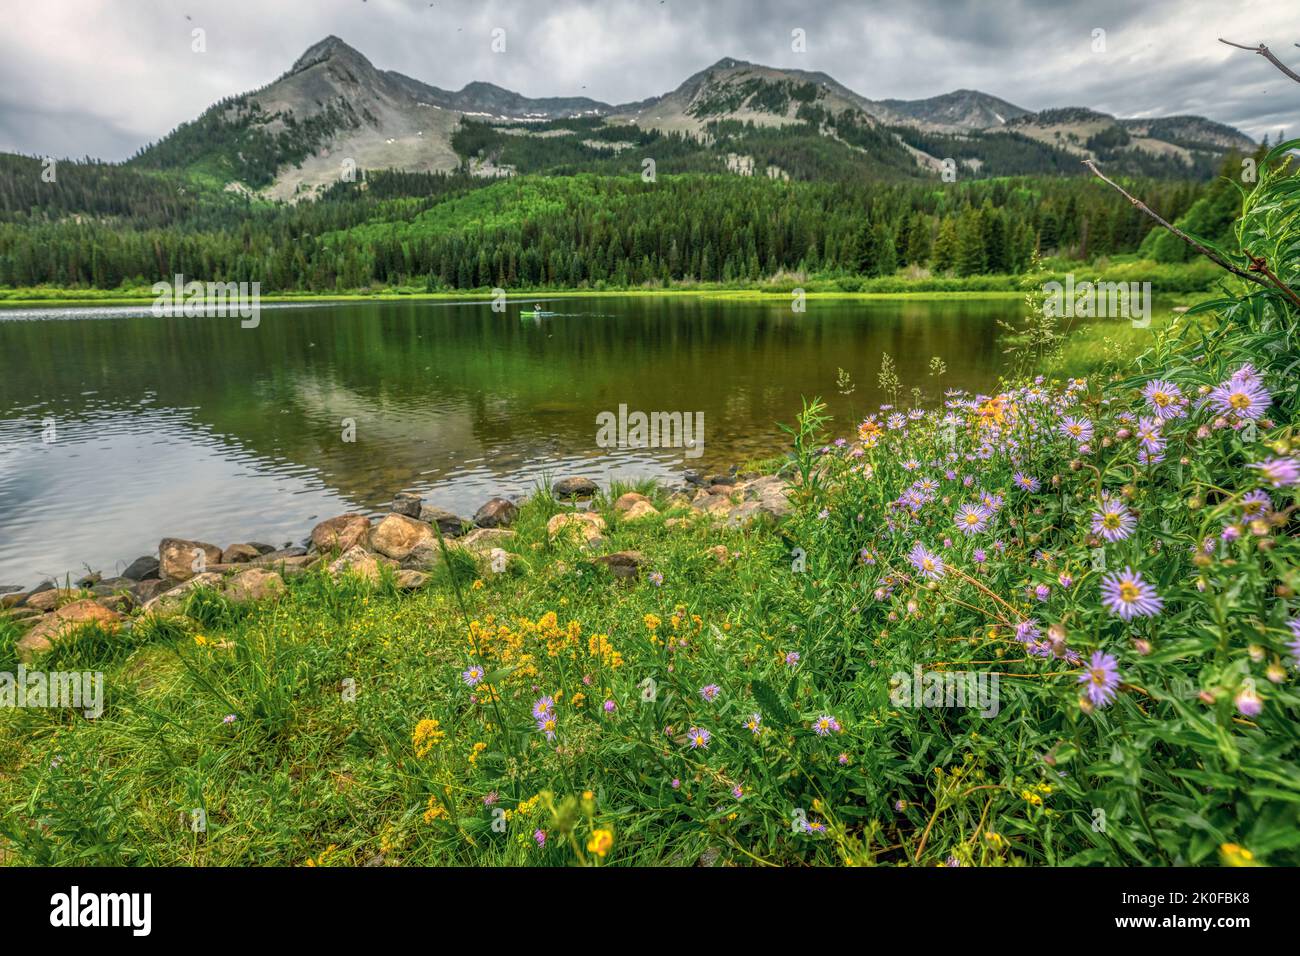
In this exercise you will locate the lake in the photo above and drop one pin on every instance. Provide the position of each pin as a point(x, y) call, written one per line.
point(118, 428)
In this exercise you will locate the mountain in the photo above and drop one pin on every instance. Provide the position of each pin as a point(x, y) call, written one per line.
point(334, 112)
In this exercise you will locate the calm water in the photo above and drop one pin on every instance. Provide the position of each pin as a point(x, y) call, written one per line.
point(199, 428)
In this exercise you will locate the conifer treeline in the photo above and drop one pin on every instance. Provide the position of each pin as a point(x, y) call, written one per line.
point(102, 226)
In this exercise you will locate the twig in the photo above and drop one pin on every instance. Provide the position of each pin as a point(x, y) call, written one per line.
point(1267, 54)
point(1144, 208)
point(1260, 264)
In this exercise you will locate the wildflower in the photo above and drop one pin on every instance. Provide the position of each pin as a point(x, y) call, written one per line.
point(753, 724)
point(656, 578)
point(540, 837)
point(543, 707)
point(1027, 632)
point(972, 519)
point(651, 622)
point(229, 719)
point(698, 737)
point(1279, 472)
point(980, 556)
point(1149, 436)
point(1127, 595)
point(824, 724)
point(1243, 396)
point(1247, 701)
point(928, 564)
point(610, 707)
point(843, 760)
point(1065, 580)
point(710, 692)
point(547, 725)
point(491, 798)
point(676, 783)
point(1102, 677)
point(601, 842)
point(791, 659)
point(1164, 398)
point(1080, 429)
point(427, 735)
point(472, 676)
point(1042, 592)
point(1113, 521)
point(1256, 504)
point(1294, 646)
point(737, 791)
point(1026, 482)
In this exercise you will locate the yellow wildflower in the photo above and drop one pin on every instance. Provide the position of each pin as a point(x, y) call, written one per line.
point(600, 843)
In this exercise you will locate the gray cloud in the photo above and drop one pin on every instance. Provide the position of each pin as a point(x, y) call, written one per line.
point(104, 77)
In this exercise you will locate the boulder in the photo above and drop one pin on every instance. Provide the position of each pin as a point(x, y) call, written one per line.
point(625, 502)
point(483, 540)
point(623, 564)
point(49, 600)
point(239, 554)
point(51, 627)
point(406, 540)
point(255, 584)
point(28, 614)
point(180, 559)
point(584, 526)
point(89, 580)
point(171, 600)
point(411, 580)
point(145, 591)
point(142, 568)
point(574, 488)
point(359, 562)
point(496, 513)
point(450, 524)
point(10, 588)
point(407, 503)
point(290, 566)
point(342, 533)
point(13, 599)
point(641, 510)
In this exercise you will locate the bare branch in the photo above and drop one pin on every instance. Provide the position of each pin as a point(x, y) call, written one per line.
point(1147, 210)
point(1267, 54)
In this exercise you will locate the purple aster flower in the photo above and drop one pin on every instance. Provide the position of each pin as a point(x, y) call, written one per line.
point(1027, 632)
point(698, 737)
point(229, 719)
point(1279, 472)
point(1102, 677)
point(1256, 504)
point(610, 707)
point(1149, 436)
point(980, 556)
point(930, 565)
point(1243, 396)
point(1078, 428)
point(1026, 482)
point(656, 578)
point(825, 724)
point(792, 659)
point(1164, 398)
point(543, 707)
point(1294, 646)
point(547, 724)
point(1065, 580)
point(754, 723)
point(1113, 521)
point(972, 519)
point(710, 692)
point(737, 791)
point(1126, 594)
point(1247, 701)
point(472, 675)
point(540, 837)
point(1042, 592)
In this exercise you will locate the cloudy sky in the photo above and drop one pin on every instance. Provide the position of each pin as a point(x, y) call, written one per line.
point(104, 77)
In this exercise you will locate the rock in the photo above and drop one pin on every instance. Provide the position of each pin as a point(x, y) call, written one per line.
point(574, 488)
point(50, 628)
point(281, 554)
point(239, 554)
point(171, 600)
point(255, 584)
point(407, 503)
point(43, 586)
point(483, 540)
point(719, 553)
point(13, 599)
point(121, 603)
point(641, 510)
point(145, 591)
point(262, 548)
point(411, 580)
point(723, 480)
point(678, 500)
point(89, 580)
point(49, 600)
point(450, 524)
point(713, 504)
point(10, 588)
point(342, 533)
point(675, 523)
point(585, 526)
point(624, 564)
point(405, 539)
point(743, 513)
point(625, 502)
point(180, 559)
point(142, 568)
point(291, 566)
point(692, 477)
point(359, 562)
point(21, 614)
point(497, 513)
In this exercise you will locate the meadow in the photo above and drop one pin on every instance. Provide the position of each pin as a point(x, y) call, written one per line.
point(1118, 549)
